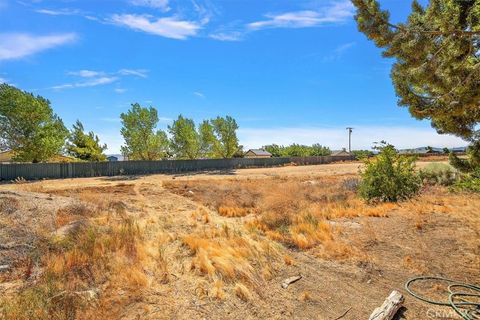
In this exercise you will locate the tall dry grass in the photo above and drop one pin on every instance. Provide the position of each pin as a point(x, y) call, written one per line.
point(296, 212)
point(67, 272)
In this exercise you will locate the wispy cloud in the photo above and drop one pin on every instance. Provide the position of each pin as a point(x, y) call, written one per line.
point(88, 83)
point(20, 45)
point(92, 78)
point(59, 12)
point(227, 36)
point(86, 73)
point(169, 27)
point(336, 138)
point(334, 13)
point(199, 94)
point(142, 73)
point(162, 5)
point(339, 51)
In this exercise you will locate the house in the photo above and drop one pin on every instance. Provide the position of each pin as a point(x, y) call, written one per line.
point(112, 158)
point(342, 153)
point(257, 153)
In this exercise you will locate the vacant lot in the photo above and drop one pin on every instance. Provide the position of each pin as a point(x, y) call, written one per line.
point(219, 245)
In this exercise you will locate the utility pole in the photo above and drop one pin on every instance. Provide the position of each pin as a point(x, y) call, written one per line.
point(349, 139)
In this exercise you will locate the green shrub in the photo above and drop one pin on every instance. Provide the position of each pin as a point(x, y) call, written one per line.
point(439, 173)
point(469, 182)
point(389, 177)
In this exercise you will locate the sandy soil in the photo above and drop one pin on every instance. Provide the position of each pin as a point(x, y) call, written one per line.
point(397, 247)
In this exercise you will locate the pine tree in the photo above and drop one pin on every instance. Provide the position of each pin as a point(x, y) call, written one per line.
point(85, 146)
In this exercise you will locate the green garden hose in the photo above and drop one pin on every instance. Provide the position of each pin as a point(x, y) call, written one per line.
point(472, 313)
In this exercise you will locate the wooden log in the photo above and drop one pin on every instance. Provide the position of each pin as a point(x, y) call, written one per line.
point(290, 280)
point(389, 307)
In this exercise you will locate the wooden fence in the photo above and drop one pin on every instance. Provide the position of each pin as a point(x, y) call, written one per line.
point(33, 171)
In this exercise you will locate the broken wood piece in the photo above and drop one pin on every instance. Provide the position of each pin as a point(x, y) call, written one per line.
point(389, 307)
point(290, 280)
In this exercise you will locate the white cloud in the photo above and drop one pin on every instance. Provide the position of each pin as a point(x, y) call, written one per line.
point(61, 12)
point(164, 120)
point(363, 137)
point(20, 45)
point(169, 27)
point(89, 83)
point(336, 13)
point(86, 73)
point(142, 73)
point(227, 36)
point(199, 94)
point(156, 4)
point(93, 78)
point(339, 51)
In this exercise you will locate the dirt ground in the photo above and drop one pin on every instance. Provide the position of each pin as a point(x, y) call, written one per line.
point(436, 234)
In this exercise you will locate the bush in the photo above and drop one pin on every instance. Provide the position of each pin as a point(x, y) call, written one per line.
point(439, 173)
point(389, 177)
point(469, 182)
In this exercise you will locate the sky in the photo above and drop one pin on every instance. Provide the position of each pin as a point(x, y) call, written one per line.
point(289, 71)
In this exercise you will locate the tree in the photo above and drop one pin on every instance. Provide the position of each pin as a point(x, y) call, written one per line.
point(185, 141)
point(225, 130)
point(142, 140)
point(274, 149)
point(208, 140)
point(389, 177)
point(317, 150)
point(85, 146)
point(28, 126)
point(437, 69)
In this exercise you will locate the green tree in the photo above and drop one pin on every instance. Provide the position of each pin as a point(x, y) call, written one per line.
point(317, 150)
point(389, 177)
point(142, 140)
point(208, 140)
point(185, 141)
point(275, 150)
point(437, 69)
point(85, 146)
point(225, 130)
point(28, 126)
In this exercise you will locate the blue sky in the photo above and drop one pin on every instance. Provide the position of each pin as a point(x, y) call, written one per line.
point(287, 70)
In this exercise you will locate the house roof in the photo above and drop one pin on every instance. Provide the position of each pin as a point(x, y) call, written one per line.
point(259, 152)
point(340, 153)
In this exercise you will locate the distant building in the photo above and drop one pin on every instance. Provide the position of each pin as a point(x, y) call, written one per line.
point(257, 153)
point(342, 153)
point(112, 158)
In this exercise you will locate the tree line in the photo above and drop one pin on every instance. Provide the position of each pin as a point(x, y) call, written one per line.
point(297, 150)
point(34, 133)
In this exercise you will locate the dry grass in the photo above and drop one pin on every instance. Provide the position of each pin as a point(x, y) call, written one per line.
point(292, 211)
point(242, 292)
point(228, 255)
point(75, 266)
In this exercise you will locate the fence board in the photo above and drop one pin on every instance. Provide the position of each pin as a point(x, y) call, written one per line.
point(33, 171)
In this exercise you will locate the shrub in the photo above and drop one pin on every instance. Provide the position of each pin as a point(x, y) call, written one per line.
point(439, 173)
point(469, 182)
point(389, 177)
